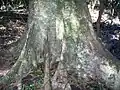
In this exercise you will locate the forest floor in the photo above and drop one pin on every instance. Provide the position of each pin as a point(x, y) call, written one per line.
point(11, 29)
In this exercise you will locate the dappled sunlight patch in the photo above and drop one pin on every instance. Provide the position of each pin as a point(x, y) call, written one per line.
point(109, 73)
point(59, 28)
point(4, 72)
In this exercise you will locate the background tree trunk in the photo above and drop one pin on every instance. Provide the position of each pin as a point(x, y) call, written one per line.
point(101, 10)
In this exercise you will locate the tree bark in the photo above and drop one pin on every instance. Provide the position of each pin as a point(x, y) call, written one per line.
point(47, 59)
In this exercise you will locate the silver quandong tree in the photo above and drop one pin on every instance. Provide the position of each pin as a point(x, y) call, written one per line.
point(61, 31)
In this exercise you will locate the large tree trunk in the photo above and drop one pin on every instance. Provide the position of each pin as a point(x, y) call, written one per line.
point(61, 30)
